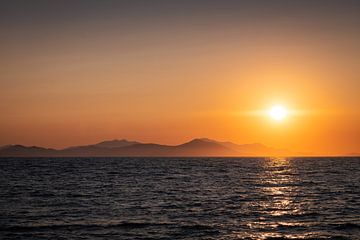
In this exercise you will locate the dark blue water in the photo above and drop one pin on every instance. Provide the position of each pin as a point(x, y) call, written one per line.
point(180, 198)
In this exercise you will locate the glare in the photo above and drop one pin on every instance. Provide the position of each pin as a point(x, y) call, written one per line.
point(278, 112)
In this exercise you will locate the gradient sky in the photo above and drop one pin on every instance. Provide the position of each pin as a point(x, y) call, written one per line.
point(78, 72)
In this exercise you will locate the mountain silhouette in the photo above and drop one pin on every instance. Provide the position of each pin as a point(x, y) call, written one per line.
point(195, 147)
point(24, 151)
point(115, 143)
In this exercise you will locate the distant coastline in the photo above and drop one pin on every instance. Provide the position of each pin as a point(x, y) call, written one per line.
point(196, 147)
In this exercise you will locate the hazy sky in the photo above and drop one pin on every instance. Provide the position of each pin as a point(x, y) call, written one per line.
point(77, 72)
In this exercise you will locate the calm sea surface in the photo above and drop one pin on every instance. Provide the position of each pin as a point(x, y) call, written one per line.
point(179, 198)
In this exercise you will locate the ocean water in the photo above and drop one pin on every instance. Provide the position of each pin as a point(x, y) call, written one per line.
point(180, 198)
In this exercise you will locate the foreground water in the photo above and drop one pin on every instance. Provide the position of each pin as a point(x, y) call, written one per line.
point(180, 198)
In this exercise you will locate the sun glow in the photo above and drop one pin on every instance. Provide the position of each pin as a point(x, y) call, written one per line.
point(278, 112)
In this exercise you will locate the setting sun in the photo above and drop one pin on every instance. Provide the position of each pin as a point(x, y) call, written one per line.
point(278, 112)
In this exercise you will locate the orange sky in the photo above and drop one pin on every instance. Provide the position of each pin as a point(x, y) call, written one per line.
point(169, 73)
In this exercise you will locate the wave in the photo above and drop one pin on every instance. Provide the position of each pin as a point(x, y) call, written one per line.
point(78, 226)
point(346, 226)
point(197, 227)
point(311, 238)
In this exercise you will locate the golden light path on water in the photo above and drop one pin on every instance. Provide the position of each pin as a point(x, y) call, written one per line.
point(278, 184)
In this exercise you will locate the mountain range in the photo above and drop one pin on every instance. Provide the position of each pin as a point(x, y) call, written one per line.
point(195, 147)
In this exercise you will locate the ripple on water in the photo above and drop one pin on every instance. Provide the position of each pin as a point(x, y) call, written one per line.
point(180, 198)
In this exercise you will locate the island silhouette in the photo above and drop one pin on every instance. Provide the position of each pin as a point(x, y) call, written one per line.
point(115, 148)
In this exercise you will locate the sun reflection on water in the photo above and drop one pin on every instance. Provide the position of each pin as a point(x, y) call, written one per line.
point(277, 183)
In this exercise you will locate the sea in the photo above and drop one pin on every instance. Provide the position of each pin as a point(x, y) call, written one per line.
point(180, 198)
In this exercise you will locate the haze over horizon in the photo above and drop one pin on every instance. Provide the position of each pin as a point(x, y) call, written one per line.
point(79, 72)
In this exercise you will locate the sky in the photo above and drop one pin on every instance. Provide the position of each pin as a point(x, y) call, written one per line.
point(79, 72)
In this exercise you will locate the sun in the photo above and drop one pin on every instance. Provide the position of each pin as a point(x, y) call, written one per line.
point(278, 112)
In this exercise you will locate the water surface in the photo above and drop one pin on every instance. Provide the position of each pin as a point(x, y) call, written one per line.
point(180, 198)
